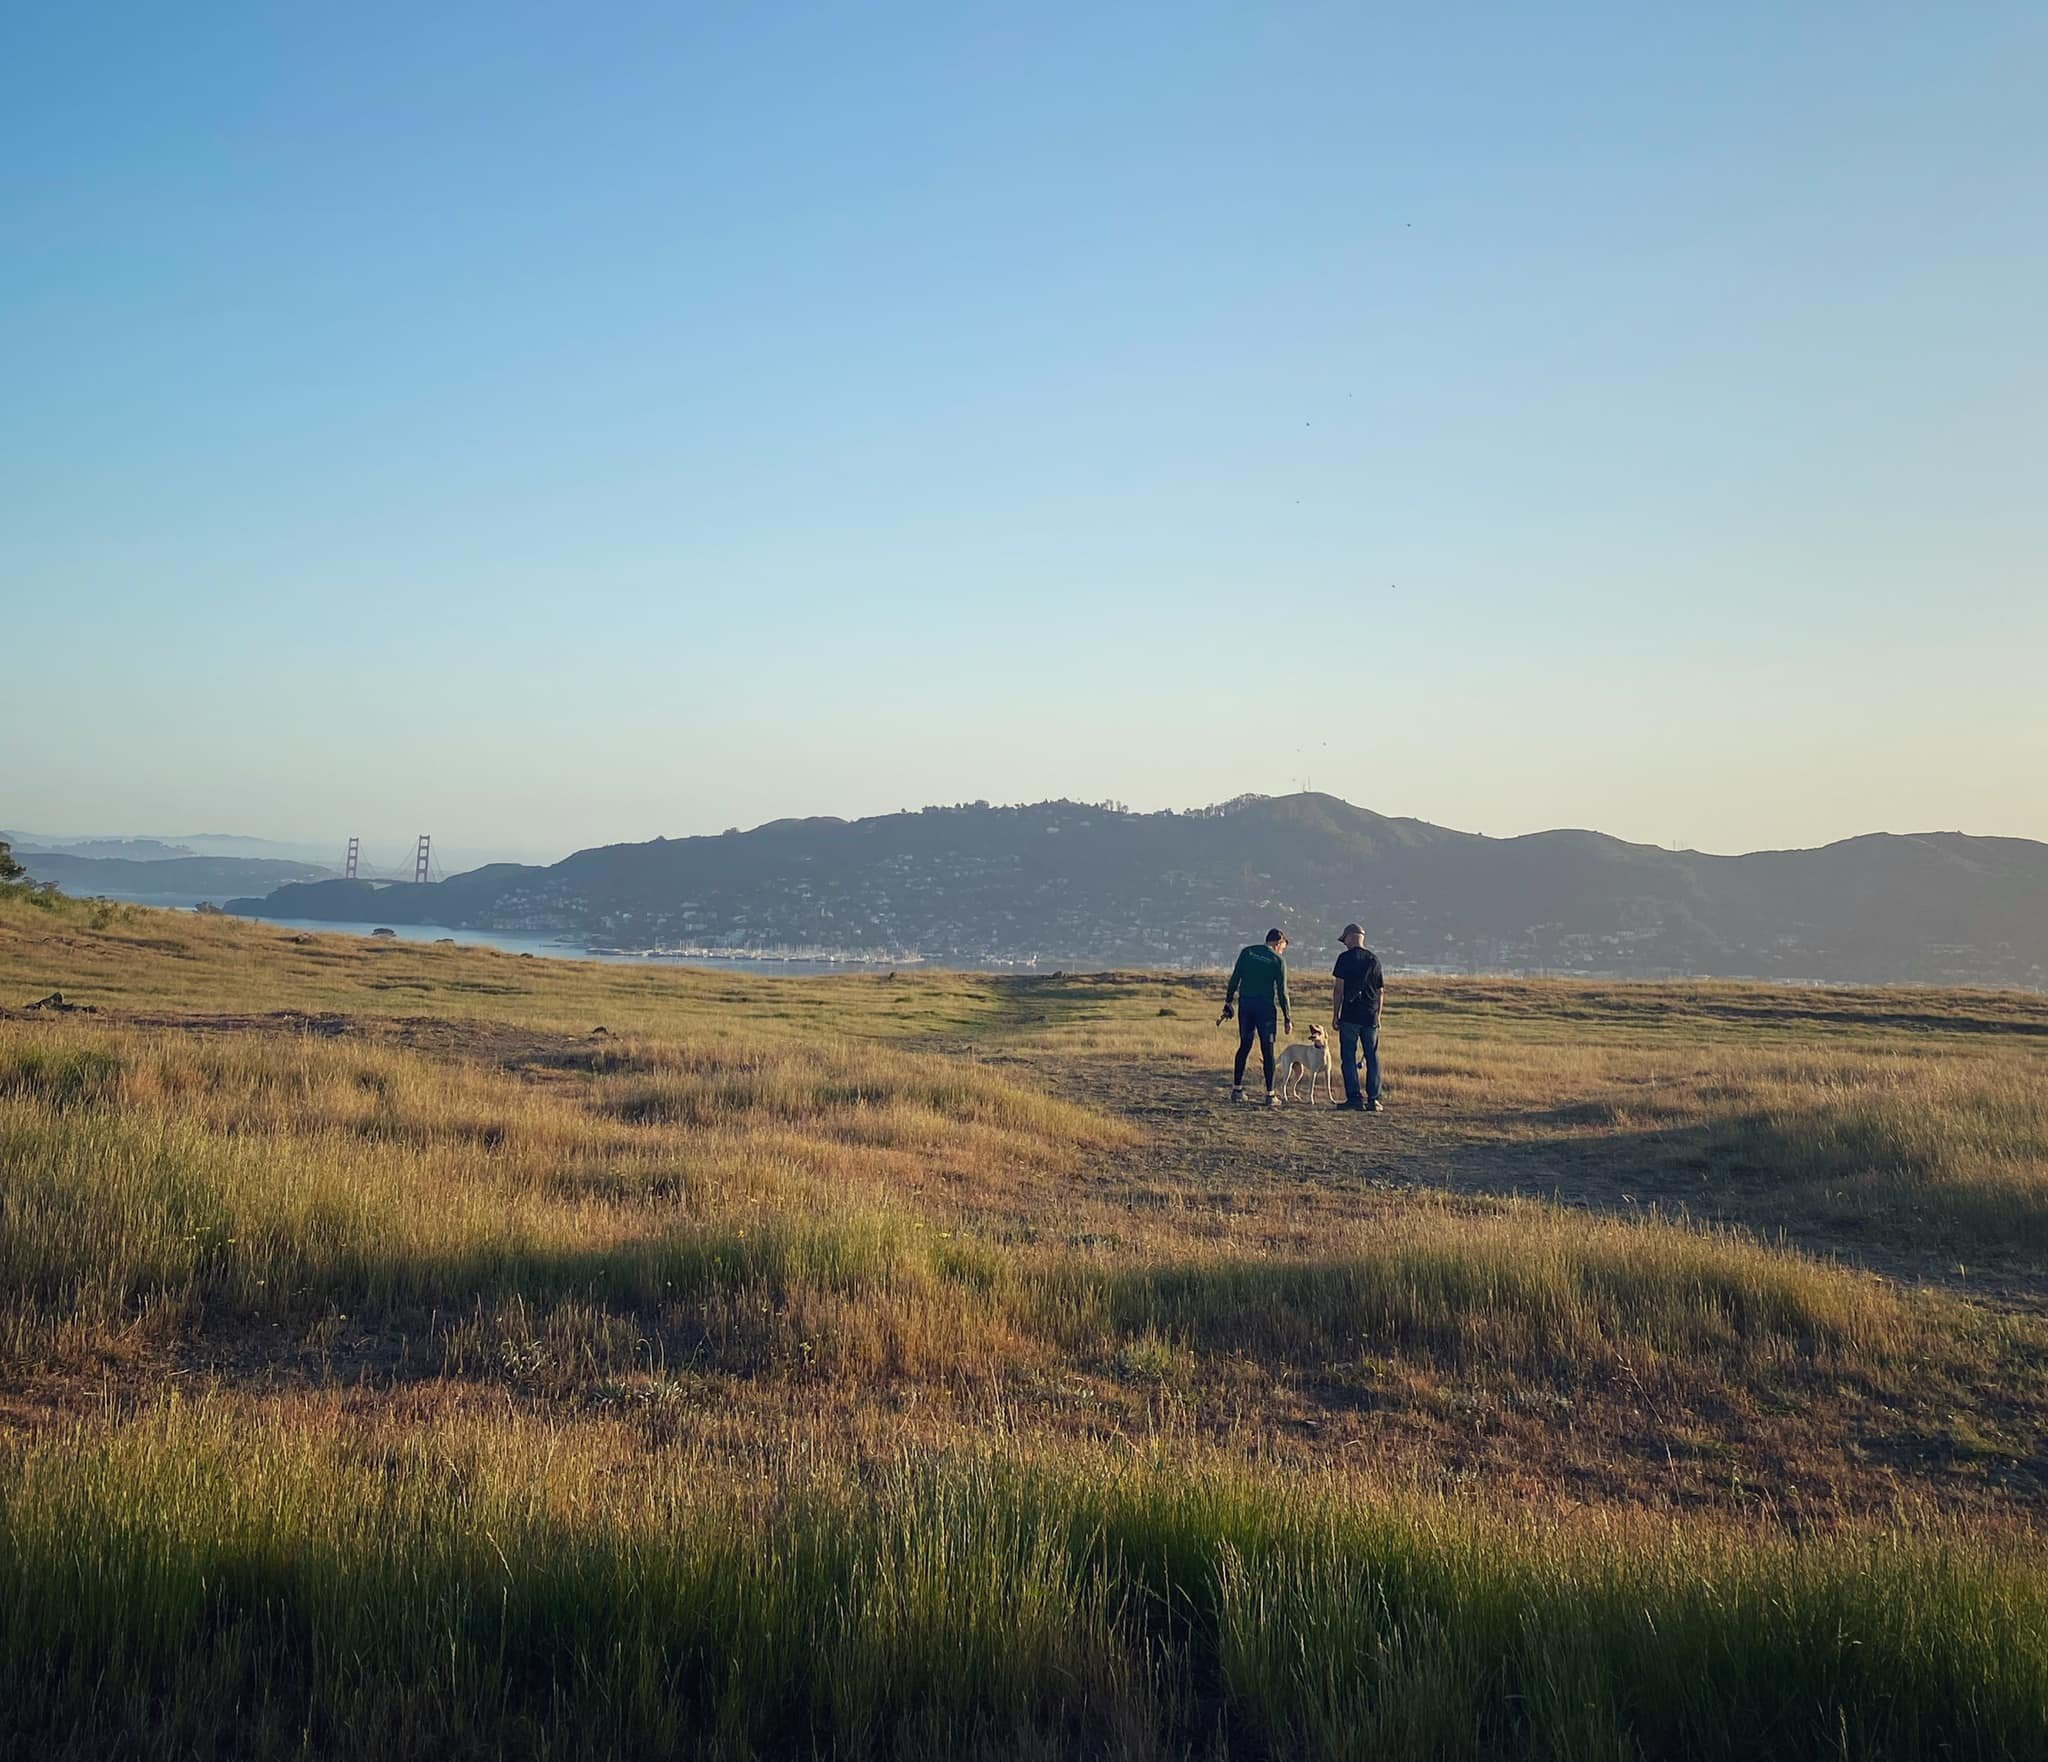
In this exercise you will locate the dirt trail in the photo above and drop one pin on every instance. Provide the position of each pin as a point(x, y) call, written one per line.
point(1195, 1135)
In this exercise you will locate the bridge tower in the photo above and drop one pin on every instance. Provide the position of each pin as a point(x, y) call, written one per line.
point(422, 858)
point(355, 854)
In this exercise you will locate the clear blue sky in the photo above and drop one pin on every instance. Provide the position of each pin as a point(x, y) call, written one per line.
point(554, 425)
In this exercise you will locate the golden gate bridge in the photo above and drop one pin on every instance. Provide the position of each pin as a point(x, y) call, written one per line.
point(424, 866)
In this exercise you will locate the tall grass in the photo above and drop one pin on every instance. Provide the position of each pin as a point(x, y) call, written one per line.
point(1945, 1151)
point(156, 1176)
point(1942, 1147)
point(1520, 1288)
point(753, 1206)
point(214, 1582)
point(945, 1415)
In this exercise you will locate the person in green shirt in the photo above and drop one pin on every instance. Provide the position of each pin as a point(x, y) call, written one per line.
point(1258, 984)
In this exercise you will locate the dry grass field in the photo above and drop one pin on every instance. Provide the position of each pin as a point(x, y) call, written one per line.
point(421, 1351)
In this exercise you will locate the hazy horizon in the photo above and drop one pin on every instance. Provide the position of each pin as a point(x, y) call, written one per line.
point(551, 429)
point(392, 854)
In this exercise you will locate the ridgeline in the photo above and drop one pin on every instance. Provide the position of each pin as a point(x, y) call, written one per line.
point(1071, 884)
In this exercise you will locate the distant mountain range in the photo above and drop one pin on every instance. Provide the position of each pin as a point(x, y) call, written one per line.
point(148, 847)
point(129, 849)
point(388, 857)
point(168, 881)
point(1068, 884)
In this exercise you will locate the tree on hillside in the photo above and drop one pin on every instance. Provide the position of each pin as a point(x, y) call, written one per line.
point(10, 870)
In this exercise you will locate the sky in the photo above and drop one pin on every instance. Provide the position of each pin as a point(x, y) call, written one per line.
point(546, 426)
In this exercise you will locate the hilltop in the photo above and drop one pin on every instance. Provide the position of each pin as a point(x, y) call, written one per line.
point(1074, 884)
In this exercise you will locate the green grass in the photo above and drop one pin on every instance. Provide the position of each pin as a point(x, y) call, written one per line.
point(199, 1584)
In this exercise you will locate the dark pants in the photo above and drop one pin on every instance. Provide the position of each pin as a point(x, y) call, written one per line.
point(1259, 1019)
point(1357, 1036)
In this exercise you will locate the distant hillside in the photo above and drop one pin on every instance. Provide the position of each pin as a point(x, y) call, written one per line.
point(129, 849)
point(166, 881)
point(1070, 884)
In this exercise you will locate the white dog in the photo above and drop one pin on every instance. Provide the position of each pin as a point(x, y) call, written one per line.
point(1313, 1059)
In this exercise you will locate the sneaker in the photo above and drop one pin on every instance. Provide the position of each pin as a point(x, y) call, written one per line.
point(1272, 1100)
point(1373, 1106)
point(1237, 1092)
point(1353, 1106)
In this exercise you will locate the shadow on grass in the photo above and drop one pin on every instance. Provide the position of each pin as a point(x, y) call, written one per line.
point(1833, 1184)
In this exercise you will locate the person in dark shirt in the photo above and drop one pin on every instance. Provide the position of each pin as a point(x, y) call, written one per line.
point(1355, 999)
point(1261, 976)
